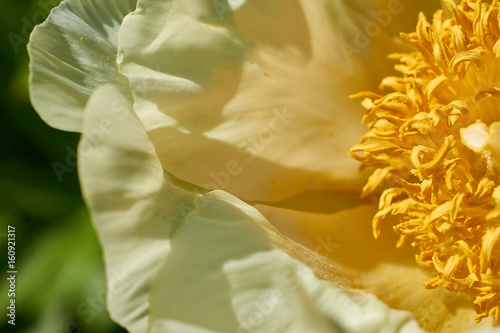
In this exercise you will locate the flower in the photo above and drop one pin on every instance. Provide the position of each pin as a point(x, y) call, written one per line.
point(434, 141)
point(213, 161)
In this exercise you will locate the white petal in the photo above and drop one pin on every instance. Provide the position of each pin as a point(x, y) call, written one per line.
point(395, 16)
point(72, 53)
point(117, 177)
point(359, 261)
point(475, 137)
point(183, 262)
point(253, 99)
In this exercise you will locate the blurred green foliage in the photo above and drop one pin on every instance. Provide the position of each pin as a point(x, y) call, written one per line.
point(60, 280)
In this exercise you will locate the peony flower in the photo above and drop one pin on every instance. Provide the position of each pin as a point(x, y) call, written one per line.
point(213, 160)
point(434, 140)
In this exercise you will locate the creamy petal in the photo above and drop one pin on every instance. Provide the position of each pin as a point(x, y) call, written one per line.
point(359, 261)
point(248, 287)
point(395, 16)
point(252, 96)
point(187, 262)
point(72, 53)
point(122, 181)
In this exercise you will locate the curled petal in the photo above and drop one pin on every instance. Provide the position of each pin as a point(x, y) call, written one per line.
point(251, 96)
point(180, 261)
point(72, 53)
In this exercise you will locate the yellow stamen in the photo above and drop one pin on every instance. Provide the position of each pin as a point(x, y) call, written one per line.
point(434, 139)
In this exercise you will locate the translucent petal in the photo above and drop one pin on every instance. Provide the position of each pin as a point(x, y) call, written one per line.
point(187, 262)
point(359, 261)
point(72, 53)
point(252, 96)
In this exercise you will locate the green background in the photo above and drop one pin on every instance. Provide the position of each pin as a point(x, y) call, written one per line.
point(60, 281)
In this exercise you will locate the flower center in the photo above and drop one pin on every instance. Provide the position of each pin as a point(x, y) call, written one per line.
point(435, 143)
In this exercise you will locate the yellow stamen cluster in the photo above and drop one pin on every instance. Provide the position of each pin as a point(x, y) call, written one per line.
point(447, 195)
